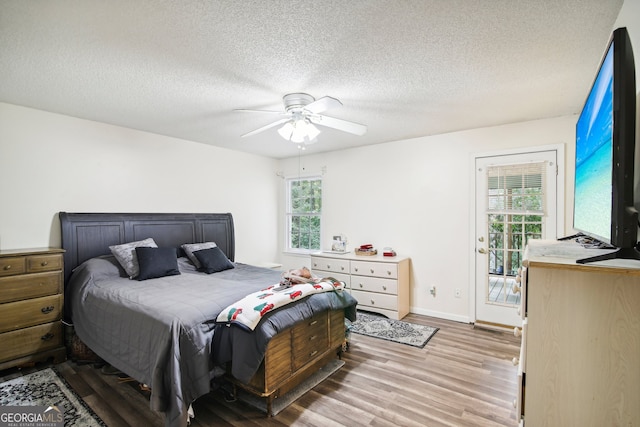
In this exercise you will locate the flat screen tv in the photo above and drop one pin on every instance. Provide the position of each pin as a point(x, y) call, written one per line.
point(605, 197)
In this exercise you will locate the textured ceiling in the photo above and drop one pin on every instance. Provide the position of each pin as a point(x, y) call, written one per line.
point(404, 68)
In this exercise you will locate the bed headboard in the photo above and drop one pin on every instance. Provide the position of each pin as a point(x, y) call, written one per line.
point(87, 235)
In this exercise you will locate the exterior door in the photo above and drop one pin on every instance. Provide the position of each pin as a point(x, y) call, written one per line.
point(515, 202)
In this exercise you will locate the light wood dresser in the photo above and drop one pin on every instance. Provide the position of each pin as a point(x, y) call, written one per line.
point(579, 361)
point(380, 284)
point(31, 306)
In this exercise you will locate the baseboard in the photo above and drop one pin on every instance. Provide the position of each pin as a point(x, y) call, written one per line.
point(441, 315)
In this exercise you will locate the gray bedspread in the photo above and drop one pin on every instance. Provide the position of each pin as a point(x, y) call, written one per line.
point(162, 332)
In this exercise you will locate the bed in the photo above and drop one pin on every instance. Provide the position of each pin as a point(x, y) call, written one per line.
point(175, 330)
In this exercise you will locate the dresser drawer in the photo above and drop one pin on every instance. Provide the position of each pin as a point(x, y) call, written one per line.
point(338, 276)
point(14, 288)
point(373, 299)
point(374, 284)
point(310, 339)
point(330, 264)
point(28, 341)
point(38, 263)
point(12, 265)
point(375, 269)
point(20, 314)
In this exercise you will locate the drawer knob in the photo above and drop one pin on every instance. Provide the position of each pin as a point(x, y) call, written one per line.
point(371, 271)
point(515, 289)
point(313, 353)
point(47, 310)
point(355, 268)
point(315, 264)
point(313, 337)
point(361, 285)
point(313, 322)
point(517, 332)
point(388, 273)
point(7, 267)
point(47, 337)
point(384, 288)
point(342, 268)
point(373, 302)
point(44, 263)
point(518, 279)
point(515, 361)
point(328, 266)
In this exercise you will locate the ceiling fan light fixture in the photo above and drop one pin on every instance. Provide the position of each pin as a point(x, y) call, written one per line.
point(299, 131)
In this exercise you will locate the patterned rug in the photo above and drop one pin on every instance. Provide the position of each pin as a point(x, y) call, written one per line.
point(48, 388)
point(378, 326)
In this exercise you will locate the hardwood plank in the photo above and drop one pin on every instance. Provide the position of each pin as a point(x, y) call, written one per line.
point(462, 377)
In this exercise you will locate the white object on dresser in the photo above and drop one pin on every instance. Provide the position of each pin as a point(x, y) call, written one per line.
point(380, 284)
point(580, 347)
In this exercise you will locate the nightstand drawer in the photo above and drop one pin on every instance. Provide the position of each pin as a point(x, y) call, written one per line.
point(13, 265)
point(28, 341)
point(15, 288)
point(21, 314)
point(330, 264)
point(375, 269)
point(375, 284)
point(376, 300)
point(38, 263)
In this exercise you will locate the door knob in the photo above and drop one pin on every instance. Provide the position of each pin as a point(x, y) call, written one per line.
point(482, 250)
point(481, 239)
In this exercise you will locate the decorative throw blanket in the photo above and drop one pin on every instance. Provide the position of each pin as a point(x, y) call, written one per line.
point(250, 309)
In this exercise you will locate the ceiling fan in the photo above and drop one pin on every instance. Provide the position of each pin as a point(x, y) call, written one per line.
point(302, 112)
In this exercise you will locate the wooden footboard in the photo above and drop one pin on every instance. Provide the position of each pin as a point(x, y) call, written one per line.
point(295, 354)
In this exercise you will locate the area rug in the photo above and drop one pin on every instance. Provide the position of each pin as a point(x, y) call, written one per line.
point(48, 388)
point(392, 330)
point(288, 398)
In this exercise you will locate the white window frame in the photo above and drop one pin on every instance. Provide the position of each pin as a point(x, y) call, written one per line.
point(289, 214)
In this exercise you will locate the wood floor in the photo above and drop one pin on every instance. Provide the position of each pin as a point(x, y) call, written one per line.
point(462, 377)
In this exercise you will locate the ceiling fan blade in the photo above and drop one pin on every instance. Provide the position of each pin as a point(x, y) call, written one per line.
point(323, 104)
point(343, 125)
point(263, 128)
point(244, 110)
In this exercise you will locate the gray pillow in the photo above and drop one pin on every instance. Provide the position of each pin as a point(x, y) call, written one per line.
point(190, 248)
point(126, 256)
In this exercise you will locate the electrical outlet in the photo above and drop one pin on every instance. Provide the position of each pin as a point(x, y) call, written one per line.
point(457, 293)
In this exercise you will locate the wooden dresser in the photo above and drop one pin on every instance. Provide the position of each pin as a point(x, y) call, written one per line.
point(31, 306)
point(296, 353)
point(380, 284)
point(579, 361)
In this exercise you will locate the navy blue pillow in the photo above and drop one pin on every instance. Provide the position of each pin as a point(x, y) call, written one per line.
point(157, 262)
point(213, 260)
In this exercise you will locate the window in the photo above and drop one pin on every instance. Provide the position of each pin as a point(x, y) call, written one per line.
point(304, 209)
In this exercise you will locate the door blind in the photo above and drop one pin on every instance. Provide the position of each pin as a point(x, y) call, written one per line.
point(517, 189)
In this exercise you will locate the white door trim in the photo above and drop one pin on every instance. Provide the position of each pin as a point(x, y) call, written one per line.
point(560, 205)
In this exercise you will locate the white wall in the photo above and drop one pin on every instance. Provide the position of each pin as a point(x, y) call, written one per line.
point(415, 196)
point(51, 163)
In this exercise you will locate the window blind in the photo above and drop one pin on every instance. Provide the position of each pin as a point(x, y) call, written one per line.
point(517, 189)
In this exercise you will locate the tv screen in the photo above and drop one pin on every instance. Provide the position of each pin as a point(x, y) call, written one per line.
point(604, 194)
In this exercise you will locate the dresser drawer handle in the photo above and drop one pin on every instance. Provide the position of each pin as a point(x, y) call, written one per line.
point(7, 267)
point(47, 337)
point(388, 273)
point(47, 310)
point(313, 337)
point(373, 302)
point(342, 268)
point(361, 285)
point(315, 264)
point(355, 268)
point(371, 271)
point(328, 266)
point(384, 288)
point(44, 263)
point(313, 322)
point(313, 353)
